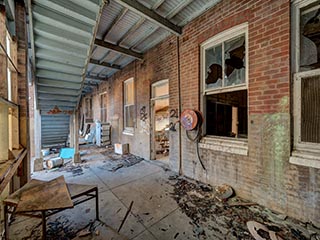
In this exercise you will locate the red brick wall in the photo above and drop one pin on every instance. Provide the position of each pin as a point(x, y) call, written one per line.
point(265, 175)
point(22, 47)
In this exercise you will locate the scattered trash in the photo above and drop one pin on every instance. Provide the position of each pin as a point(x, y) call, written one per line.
point(173, 177)
point(261, 232)
point(54, 162)
point(116, 161)
point(77, 171)
point(84, 233)
point(66, 153)
point(115, 168)
point(45, 152)
point(228, 216)
point(176, 235)
point(224, 192)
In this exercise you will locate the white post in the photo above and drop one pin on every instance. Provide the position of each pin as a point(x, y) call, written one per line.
point(76, 157)
point(71, 129)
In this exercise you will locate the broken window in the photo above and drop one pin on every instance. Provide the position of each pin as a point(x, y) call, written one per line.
point(224, 77)
point(225, 63)
point(310, 37)
point(306, 82)
point(129, 108)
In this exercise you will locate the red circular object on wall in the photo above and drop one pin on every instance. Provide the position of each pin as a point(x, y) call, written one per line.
point(189, 119)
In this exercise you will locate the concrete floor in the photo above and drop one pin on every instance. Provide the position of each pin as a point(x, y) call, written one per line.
point(145, 184)
point(154, 215)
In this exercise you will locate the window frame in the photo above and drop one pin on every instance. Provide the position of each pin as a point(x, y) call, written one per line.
point(157, 84)
point(128, 130)
point(226, 35)
point(302, 153)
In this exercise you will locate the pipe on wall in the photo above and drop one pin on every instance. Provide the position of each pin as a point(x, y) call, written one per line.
point(180, 105)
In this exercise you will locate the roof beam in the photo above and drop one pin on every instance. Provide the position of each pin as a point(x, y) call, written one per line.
point(95, 78)
point(131, 30)
point(157, 4)
point(178, 8)
point(105, 64)
point(115, 21)
point(142, 10)
point(119, 49)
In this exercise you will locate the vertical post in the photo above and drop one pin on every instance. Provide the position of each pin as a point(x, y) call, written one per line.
point(76, 157)
point(71, 132)
point(4, 132)
point(6, 224)
point(38, 161)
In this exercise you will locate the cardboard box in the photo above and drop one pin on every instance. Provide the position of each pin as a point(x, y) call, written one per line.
point(121, 148)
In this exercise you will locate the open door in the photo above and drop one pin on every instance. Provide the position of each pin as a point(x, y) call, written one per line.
point(160, 121)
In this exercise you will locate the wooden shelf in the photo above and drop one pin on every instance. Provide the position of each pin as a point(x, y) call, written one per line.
point(9, 167)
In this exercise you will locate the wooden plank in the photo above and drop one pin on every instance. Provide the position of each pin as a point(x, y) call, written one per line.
point(78, 189)
point(46, 196)
point(14, 198)
point(13, 168)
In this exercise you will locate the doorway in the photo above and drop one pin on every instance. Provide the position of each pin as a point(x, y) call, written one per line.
point(160, 121)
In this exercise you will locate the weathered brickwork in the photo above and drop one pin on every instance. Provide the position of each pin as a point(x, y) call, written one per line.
point(265, 174)
point(22, 47)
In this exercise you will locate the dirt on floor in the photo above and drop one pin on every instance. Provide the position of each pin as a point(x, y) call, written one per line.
point(214, 212)
point(228, 216)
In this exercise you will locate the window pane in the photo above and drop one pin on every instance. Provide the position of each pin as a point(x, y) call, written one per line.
point(161, 108)
point(9, 84)
point(227, 114)
point(234, 61)
point(310, 37)
point(213, 64)
point(129, 116)
point(161, 90)
point(310, 111)
point(129, 99)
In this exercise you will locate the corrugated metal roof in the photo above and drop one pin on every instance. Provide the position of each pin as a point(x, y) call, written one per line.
point(63, 32)
point(125, 27)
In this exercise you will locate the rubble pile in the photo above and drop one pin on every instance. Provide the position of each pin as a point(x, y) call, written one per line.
point(225, 216)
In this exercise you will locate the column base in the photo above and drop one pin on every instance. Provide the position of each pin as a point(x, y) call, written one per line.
point(38, 164)
point(76, 158)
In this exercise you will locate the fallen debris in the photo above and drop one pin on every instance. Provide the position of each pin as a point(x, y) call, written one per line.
point(261, 232)
point(84, 233)
point(223, 192)
point(54, 162)
point(125, 217)
point(116, 161)
point(227, 219)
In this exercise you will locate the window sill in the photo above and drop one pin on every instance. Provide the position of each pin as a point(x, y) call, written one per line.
point(307, 159)
point(234, 146)
point(128, 132)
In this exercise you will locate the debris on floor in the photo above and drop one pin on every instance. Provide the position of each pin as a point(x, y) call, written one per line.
point(116, 161)
point(227, 216)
